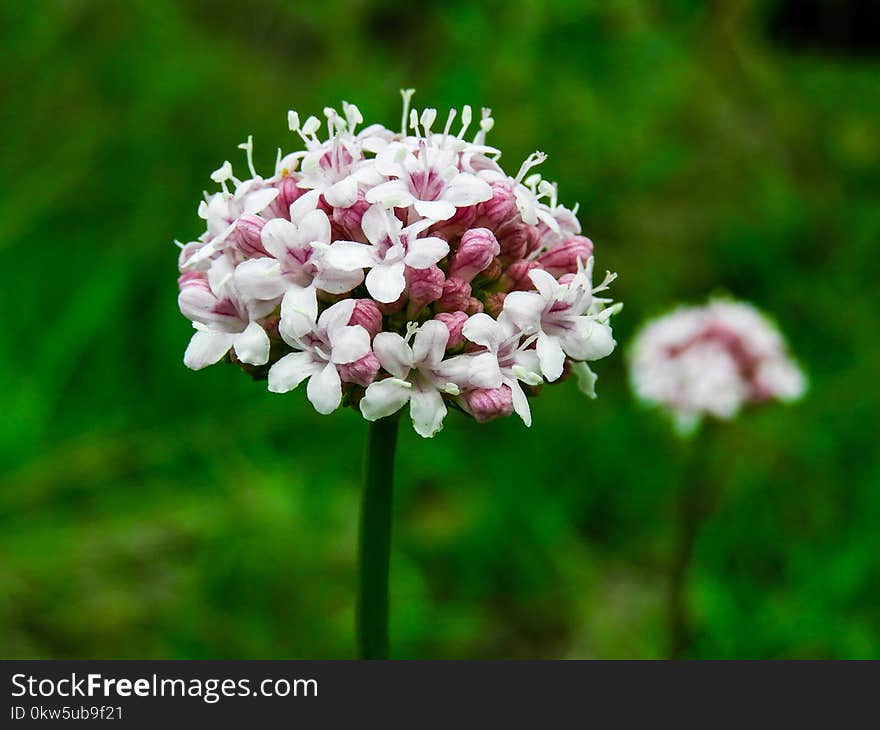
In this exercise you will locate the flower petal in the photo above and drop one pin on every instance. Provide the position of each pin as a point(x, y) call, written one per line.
point(551, 356)
point(483, 330)
point(206, 347)
point(342, 194)
point(279, 236)
point(314, 228)
point(252, 345)
point(589, 340)
point(299, 308)
point(386, 282)
point(467, 189)
point(325, 389)
point(586, 378)
point(384, 397)
point(425, 252)
point(427, 410)
point(484, 371)
point(545, 283)
point(436, 210)
point(391, 194)
point(259, 200)
point(260, 278)
point(374, 224)
point(304, 204)
point(394, 354)
point(429, 344)
point(524, 309)
point(291, 370)
point(349, 255)
point(349, 344)
point(520, 402)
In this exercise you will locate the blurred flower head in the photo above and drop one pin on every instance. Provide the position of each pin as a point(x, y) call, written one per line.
point(712, 361)
point(395, 269)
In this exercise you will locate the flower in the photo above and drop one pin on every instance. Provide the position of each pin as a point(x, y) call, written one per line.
point(322, 347)
point(711, 361)
point(391, 249)
point(223, 319)
point(563, 318)
point(392, 268)
point(419, 376)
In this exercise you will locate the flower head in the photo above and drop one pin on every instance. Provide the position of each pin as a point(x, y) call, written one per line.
point(711, 361)
point(392, 269)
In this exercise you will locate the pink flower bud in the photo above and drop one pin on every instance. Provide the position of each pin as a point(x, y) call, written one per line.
point(494, 304)
point(424, 286)
point(456, 296)
point(484, 404)
point(475, 306)
point(362, 372)
point(513, 241)
point(288, 192)
point(196, 300)
point(247, 236)
point(491, 273)
point(517, 275)
point(563, 259)
point(454, 322)
point(476, 251)
point(367, 315)
point(533, 239)
point(501, 207)
point(349, 219)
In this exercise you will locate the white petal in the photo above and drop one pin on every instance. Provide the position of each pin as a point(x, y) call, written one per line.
point(520, 402)
point(349, 255)
point(291, 370)
point(467, 189)
point(342, 194)
point(349, 344)
point(590, 340)
point(545, 283)
point(206, 347)
point(436, 210)
point(299, 308)
point(425, 252)
point(279, 235)
point(551, 356)
point(384, 397)
point(386, 282)
point(586, 378)
point(336, 316)
point(524, 309)
point(335, 281)
point(325, 389)
point(260, 278)
point(393, 353)
point(304, 204)
point(314, 228)
point(391, 194)
point(252, 345)
point(374, 224)
point(482, 329)
point(484, 371)
point(427, 410)
point(255, 202)
point(429, 344)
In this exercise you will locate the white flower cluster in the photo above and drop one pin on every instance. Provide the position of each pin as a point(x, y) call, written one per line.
point(395, 268)
point(710, 361)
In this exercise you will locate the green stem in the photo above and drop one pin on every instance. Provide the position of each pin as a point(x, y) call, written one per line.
point(375, 540)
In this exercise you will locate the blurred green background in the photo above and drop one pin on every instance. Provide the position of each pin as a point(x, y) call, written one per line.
point(149, 511)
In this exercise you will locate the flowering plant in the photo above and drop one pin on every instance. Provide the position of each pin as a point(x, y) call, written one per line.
point(390, 269)
point(711, 361)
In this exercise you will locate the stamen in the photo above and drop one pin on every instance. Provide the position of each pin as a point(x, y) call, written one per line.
point(352, 115)
point(414, 122)
point(534, 159)
point(466, 115)
point(407, 97)
point(449, 120)
point(293, 121)
point(248, 147)
point(428, 117)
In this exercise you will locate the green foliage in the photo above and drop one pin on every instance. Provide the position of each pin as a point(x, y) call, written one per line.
point(148, 511)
